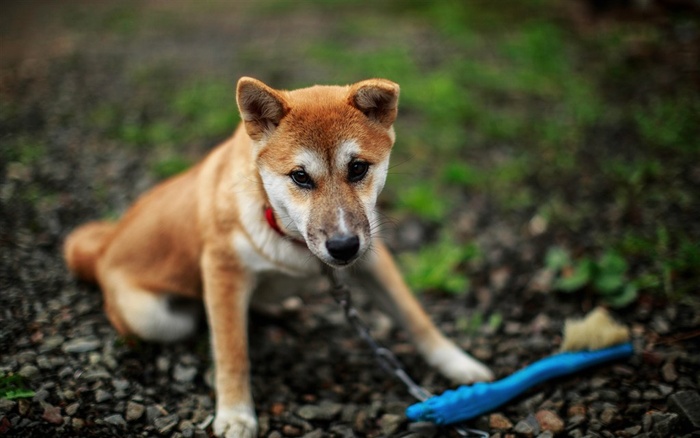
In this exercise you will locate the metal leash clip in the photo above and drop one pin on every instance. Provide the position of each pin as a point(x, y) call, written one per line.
point(387, 360)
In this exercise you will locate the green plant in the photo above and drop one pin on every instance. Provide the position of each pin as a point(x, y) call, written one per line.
point(14, 386)
point(471, 325)
point(669, 259)
point(607, 275)
point(437, 266)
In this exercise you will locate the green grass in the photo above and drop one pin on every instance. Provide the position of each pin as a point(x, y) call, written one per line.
point(440, 266)
point(14, 386)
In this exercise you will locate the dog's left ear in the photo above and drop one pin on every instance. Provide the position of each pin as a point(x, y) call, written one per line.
point(261, 107)
point(378, 99)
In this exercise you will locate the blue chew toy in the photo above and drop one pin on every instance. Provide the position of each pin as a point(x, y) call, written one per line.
point(470, 401)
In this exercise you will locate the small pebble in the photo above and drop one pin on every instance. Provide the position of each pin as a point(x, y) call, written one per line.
point(166, 424)
point(499, 422)
point(29, 372)
point(72, 408)
point(6, 405)
point(528, 426)
point(134, 411)
point(687, 405)
point(102, 396)
point(184, 374)
point(668, 372)
point(549, 420)
point(323, 412)
point(81, 345)
point(23, 406)
point(52, 414)
point(289, 430)
point(608, 415)
point(390, 423)
point(116, 420)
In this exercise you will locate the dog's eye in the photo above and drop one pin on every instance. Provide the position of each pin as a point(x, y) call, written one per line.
point(357, 170)
point(302, 179)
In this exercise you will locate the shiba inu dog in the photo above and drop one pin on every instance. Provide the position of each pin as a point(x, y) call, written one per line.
point(294, 187)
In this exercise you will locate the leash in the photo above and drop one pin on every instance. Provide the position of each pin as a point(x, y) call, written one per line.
point(387, 360)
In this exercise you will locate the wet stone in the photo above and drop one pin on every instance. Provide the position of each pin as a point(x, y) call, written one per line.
point(52, 414)
point(609, 414)
point(549, 420)
point(687, 405)
point(423, 429)
point(154, 412)
point(77, 423)
point(23, 406)
point(134, 411)
point(166, 424)
point(6, 405)
point(499, 422)
point(576, 420)
point(120, 384)
point(631, 431)
point(115, 420)
point(50, 343)
point(184, 374)
point(43, 363)
point(668, 372)
point(102, 396)
point(96, 374)
point(528, 426)
point(65, 372)
point(29, 372)
point(324, 411)
point(72, 408)
point(81, 345)
point(40, 395)
point(290, 430)
point(390, 423)
point(665, 424)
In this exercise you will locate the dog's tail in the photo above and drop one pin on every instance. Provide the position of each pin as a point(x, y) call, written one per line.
point(83, 247)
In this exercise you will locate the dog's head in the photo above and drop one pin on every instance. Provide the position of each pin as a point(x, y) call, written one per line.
point(323, 153)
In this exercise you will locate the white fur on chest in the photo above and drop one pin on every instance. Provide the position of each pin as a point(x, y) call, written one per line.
point(274, 254)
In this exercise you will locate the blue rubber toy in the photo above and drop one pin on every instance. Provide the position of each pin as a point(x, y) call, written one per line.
point(470, 401)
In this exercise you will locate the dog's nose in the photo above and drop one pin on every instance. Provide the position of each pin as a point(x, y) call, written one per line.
point(343, 247)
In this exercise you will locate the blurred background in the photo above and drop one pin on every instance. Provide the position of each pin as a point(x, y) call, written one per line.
point(547, 160)
point(572, 126)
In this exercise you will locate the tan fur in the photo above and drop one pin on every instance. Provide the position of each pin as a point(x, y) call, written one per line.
point(202, 234)
point(597, 330)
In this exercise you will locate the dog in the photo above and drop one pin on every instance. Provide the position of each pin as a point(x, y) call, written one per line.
point(294, 188)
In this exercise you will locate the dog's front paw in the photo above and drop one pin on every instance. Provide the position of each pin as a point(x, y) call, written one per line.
point(458, 366)
point(236, 422)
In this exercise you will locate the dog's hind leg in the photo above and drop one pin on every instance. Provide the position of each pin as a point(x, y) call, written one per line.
point(150, 315)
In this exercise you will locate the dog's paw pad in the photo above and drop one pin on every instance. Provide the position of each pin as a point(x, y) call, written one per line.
point(459, 367)
point(237, 422)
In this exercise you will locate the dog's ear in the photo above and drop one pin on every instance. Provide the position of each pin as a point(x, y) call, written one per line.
point(378, 99)
point(261, 107)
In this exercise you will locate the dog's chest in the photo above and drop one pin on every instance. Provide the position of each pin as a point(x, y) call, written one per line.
point(273, 289)
point(267, 253)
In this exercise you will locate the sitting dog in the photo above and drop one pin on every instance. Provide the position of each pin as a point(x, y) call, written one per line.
point(294, 187)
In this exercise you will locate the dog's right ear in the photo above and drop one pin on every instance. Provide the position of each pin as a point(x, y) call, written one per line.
point(261, 107)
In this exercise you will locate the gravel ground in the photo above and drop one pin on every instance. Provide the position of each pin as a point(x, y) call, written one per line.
point(312, 377)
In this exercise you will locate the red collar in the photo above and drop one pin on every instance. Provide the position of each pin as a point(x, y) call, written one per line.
point(270, 217)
